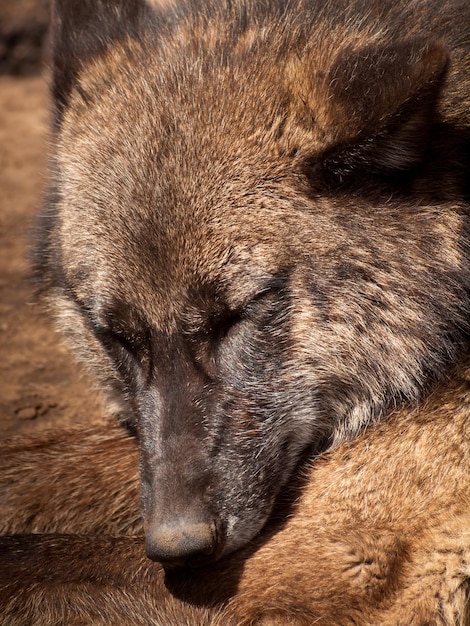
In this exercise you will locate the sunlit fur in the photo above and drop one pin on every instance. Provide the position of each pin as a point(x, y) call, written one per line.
point(257, 230)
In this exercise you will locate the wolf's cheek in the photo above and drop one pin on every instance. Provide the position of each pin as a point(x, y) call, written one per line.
point(79, 335)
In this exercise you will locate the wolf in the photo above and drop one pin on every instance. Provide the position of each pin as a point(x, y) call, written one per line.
point(376, 531)
point(256, 235)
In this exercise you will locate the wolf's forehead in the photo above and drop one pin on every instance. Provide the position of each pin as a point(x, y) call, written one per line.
point(162, 228)
point(169, 301)
point(168, 269)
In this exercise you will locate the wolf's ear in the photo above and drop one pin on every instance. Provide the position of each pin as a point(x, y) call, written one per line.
point(377, 105)
point(82, 29)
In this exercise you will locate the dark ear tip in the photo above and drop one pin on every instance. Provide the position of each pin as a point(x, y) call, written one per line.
point(382, 101)
point(433, 58)
point(81, 30)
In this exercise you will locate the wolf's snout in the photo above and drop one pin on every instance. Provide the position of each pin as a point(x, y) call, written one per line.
point(183, 543)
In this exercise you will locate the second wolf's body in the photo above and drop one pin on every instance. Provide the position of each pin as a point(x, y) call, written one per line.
point(376, 532)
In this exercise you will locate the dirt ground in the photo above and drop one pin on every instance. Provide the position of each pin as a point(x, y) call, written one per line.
point(40, 385)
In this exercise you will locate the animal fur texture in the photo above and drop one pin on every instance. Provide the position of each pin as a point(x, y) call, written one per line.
point(256, 236)
point(375, 532)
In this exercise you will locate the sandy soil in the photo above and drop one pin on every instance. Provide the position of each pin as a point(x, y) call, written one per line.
point(40, 385)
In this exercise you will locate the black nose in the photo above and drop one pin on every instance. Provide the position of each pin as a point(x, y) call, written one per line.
point(183, 543)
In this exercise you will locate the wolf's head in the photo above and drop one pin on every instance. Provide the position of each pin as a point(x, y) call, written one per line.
point(233, 246)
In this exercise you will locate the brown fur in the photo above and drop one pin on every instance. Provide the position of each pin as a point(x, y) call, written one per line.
point(83, 480)
point(257, 238)
point(380, 534)
point(257, 234)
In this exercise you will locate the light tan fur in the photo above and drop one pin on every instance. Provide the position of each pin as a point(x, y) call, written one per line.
point(379, 534)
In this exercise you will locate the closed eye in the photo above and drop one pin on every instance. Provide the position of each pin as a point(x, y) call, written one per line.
point(118, 345)
point(222, 327)
point(224, 324)
point(217, 336)
point(112, 339)
point(204, 343)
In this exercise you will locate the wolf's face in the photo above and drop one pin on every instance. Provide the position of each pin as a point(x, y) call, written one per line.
point(224, 248)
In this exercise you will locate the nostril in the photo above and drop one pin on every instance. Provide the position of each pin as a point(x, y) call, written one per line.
point(183, 544)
